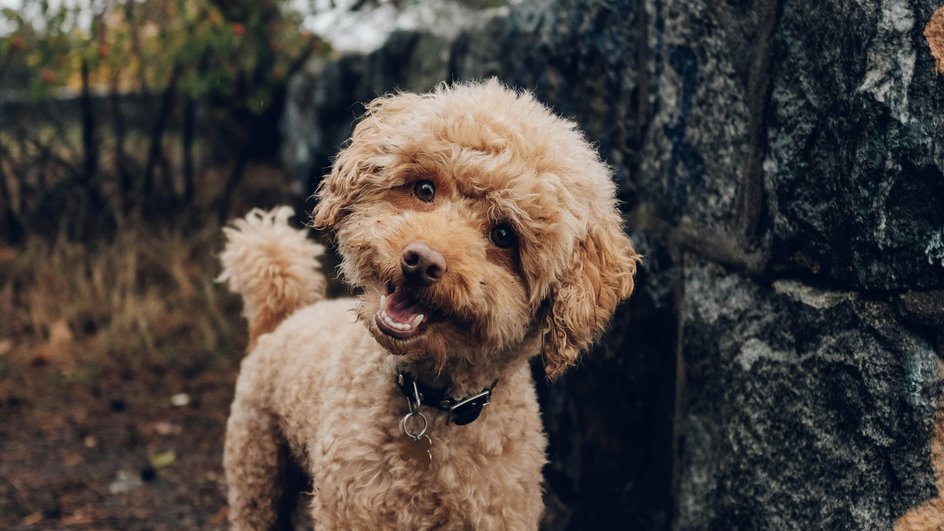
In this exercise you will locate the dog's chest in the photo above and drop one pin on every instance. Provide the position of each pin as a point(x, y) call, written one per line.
point(379, 474)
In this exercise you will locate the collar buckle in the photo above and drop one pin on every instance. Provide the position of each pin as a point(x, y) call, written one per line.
point(461, 412)
point(469, 409)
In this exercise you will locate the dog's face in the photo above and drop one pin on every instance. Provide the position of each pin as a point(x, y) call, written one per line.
point(473, 218)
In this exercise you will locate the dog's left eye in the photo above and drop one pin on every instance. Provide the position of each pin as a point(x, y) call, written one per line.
point(502, 235)
point(424, 191)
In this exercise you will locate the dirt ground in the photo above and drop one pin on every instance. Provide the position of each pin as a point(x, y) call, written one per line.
point(105, 446)
point(117, 365)
point(118, 359)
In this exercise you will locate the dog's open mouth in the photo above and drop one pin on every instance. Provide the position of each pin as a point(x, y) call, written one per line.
point(401, 315)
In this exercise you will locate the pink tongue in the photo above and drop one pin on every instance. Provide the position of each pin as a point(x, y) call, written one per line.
point(401, 308)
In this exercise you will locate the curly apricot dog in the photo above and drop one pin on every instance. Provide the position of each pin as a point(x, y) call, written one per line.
point(482, 230)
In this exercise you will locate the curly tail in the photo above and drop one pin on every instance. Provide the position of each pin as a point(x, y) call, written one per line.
point(272, 266)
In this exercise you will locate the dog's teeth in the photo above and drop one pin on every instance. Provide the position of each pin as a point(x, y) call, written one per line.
point(390, 322)
point(393, 323)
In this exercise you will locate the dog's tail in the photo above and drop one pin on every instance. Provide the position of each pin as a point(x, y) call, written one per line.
point(272, 266)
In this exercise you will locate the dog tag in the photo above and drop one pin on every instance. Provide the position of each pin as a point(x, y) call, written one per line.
point(419, 450)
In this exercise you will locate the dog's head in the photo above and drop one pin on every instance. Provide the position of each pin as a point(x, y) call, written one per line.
point(473, 218)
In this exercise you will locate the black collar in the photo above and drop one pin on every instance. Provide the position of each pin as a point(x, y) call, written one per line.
point(461, 412)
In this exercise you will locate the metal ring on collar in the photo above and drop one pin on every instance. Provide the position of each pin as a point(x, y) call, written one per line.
point(406, 430)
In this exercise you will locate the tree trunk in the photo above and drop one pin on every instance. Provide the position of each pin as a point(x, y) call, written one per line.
point(89, 142)
point(187, 148)
point(224, 202)
point(155, 152)
point(11, 229)
point(121, 157)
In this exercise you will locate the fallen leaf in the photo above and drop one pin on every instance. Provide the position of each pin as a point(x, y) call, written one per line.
point(59, 333)
point(79, 416)
point(163, 459)
point(166, 428)
point(180, 399)
point(124, 482)
point(90, 442)
point(219, 517)
point(83, 516)
point(5, 346)
point(72, 458)
point(32, 519)
point(53, 423)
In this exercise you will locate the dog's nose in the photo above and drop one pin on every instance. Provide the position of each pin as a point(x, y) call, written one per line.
point(422, 265)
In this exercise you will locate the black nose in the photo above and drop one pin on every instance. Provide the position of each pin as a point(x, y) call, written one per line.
point(422, 265)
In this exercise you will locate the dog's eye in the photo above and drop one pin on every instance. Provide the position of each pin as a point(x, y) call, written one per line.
point(424, 191)
point(503, 236)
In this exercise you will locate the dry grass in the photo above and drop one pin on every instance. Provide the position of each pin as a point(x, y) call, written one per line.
point(143, 296)
point(94, 342)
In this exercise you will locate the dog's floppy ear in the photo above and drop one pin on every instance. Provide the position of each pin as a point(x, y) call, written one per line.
point(338, 189)
point(357, 167)
point(600, 277)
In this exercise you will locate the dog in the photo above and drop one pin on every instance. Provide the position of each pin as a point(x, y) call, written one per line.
point(481, 230)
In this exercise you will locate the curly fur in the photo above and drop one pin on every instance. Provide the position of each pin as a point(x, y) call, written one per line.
point(320, 390)
point(272, 266)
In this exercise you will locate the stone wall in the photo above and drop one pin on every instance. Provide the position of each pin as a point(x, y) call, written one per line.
point(781, 164)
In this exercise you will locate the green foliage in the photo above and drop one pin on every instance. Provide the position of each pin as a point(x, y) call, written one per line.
point(215, 68)
point(232, 52)
point(35, 59)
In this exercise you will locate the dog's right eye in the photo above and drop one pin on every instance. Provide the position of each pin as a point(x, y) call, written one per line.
point(424, 191)
point(503, 235)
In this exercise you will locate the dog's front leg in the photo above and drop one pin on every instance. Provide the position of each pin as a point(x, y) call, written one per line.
point(255, 461)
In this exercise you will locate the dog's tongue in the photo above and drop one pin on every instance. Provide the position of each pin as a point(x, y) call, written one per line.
point(400, 315)
point(402, 307)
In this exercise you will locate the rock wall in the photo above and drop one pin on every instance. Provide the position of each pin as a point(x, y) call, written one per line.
point(781, 164)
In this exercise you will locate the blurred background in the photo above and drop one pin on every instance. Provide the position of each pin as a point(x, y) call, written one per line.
point(780, 164)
